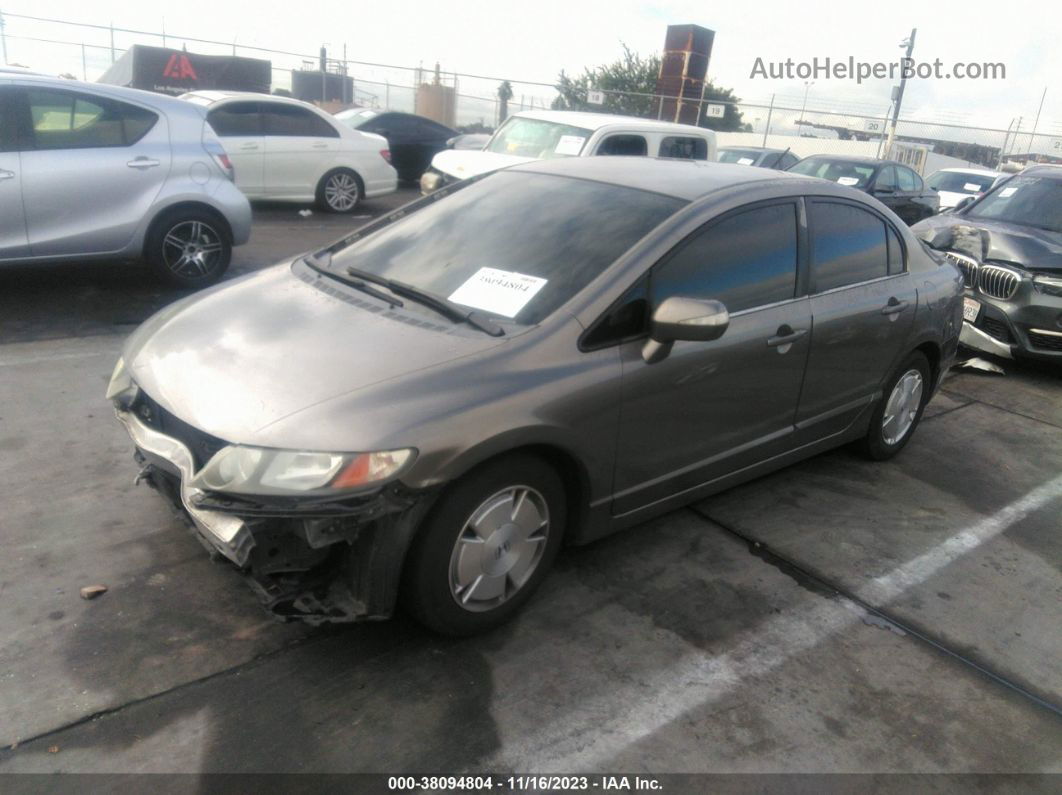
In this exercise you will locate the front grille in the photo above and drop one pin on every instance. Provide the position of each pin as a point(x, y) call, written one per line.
point(1045, 341)
point(202, 445)
point(996, 328)
point(998, 282)
point(968, 266)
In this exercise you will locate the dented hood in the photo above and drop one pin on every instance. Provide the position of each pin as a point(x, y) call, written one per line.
point(465, 163)
point(1026, 246)
point(234, 360)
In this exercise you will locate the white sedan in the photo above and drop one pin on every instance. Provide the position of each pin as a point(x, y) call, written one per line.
point(956, 184)
point(287, 150)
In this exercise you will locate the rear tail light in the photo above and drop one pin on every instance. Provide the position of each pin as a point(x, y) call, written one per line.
point(221, 157)
point(386, 154)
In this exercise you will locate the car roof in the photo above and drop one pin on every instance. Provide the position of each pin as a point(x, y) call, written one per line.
point(682, 179)
point(162, 102)
point(984, 172)
point(1050, 170)
point(854, 159)
point(210, 97)
point(597, 121)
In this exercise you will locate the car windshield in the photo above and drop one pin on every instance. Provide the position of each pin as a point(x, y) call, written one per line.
point(1029, 201)
point(745, 157)
point(843, 172)
point(513, 245)
point(356, 118)
point(537, 138)
point(957, 182)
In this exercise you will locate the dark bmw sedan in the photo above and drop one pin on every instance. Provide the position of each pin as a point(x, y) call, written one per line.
point(893, 184)
point(428, 409)
point(1008, 244)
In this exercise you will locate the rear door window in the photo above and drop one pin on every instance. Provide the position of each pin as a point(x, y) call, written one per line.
point(71, 120)
point(908, 180)
point(291, 120)
point(847, 245)
point(688, 148)
point(236, 120)
point(624, 145)
point(745, 260)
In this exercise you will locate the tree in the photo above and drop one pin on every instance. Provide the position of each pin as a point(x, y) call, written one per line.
point(628, 85)
point(505, 93)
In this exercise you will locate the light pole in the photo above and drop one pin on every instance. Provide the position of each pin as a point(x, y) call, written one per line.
point(909, 43)
point(807, 84)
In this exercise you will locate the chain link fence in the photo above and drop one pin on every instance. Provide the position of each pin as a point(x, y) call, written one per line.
point(943, 139)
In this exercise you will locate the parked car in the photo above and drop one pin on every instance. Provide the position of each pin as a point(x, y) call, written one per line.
point(955, 184)
point(548, 134)
point(106, 173)
point(413, 140)
point(758, 156)
point(893, 184)
point(287, 150)
point(433, 405)
point(468, 141)
point(1008, 244)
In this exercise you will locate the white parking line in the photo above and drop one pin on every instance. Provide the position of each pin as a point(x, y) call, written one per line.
point(598, 728)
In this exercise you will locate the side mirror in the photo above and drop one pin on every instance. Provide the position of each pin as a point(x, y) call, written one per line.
point(964, 202)
point(678, 318)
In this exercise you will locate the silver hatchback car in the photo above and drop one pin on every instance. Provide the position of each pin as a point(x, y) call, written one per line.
point(434, 404)
point(101, 172)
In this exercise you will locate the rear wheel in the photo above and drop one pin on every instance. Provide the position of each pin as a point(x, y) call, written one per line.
point(339, 191)
point(486, 546)
point(188, 248)
point(900, 409)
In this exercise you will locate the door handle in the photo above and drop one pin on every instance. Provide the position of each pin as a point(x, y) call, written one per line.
point(320, 146)
point(6, 174)
point(894, 307)
point(142, 162)
point(785, 337)
point(249, 147)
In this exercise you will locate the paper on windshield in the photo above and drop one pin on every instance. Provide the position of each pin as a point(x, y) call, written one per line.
point(569, 145)
point(744, 161)
point(972, 186)
point(504, 293)
point(1003, 194)
point(847, 180)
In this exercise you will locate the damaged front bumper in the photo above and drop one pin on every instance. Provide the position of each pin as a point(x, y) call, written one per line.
point(314, 561)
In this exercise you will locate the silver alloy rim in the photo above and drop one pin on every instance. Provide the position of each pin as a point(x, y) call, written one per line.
point(499, 548)
point(902, 407)
point(192, 248)
point(341, 192)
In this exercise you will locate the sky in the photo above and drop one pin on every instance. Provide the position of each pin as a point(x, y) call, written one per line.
point(533, 41)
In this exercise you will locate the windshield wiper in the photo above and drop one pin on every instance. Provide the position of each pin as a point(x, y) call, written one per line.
point(358, 284)
point(449, 309)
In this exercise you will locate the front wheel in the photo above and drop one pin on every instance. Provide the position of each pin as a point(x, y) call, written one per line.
point(188, 248)
point(899, 411)
point(486, 546)
point(339, 191)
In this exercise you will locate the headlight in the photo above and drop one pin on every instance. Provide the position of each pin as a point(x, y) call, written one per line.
point(121, 390)
point(430, 181)
point(1048, 285)
point(239, 469)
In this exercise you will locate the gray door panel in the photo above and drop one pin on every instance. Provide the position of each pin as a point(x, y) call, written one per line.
point(89, 199)
point(13, 240)
point(858, 336)
point(710, 407)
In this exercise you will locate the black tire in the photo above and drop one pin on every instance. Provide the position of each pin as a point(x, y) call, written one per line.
point(427, 590)
point(336, 190)
point(189, 247)
point(878, 444)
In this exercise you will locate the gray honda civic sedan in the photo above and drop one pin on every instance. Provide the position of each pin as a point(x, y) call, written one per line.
point(426, 410)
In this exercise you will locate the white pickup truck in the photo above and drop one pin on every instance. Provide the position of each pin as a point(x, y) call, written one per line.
point(542, 134)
